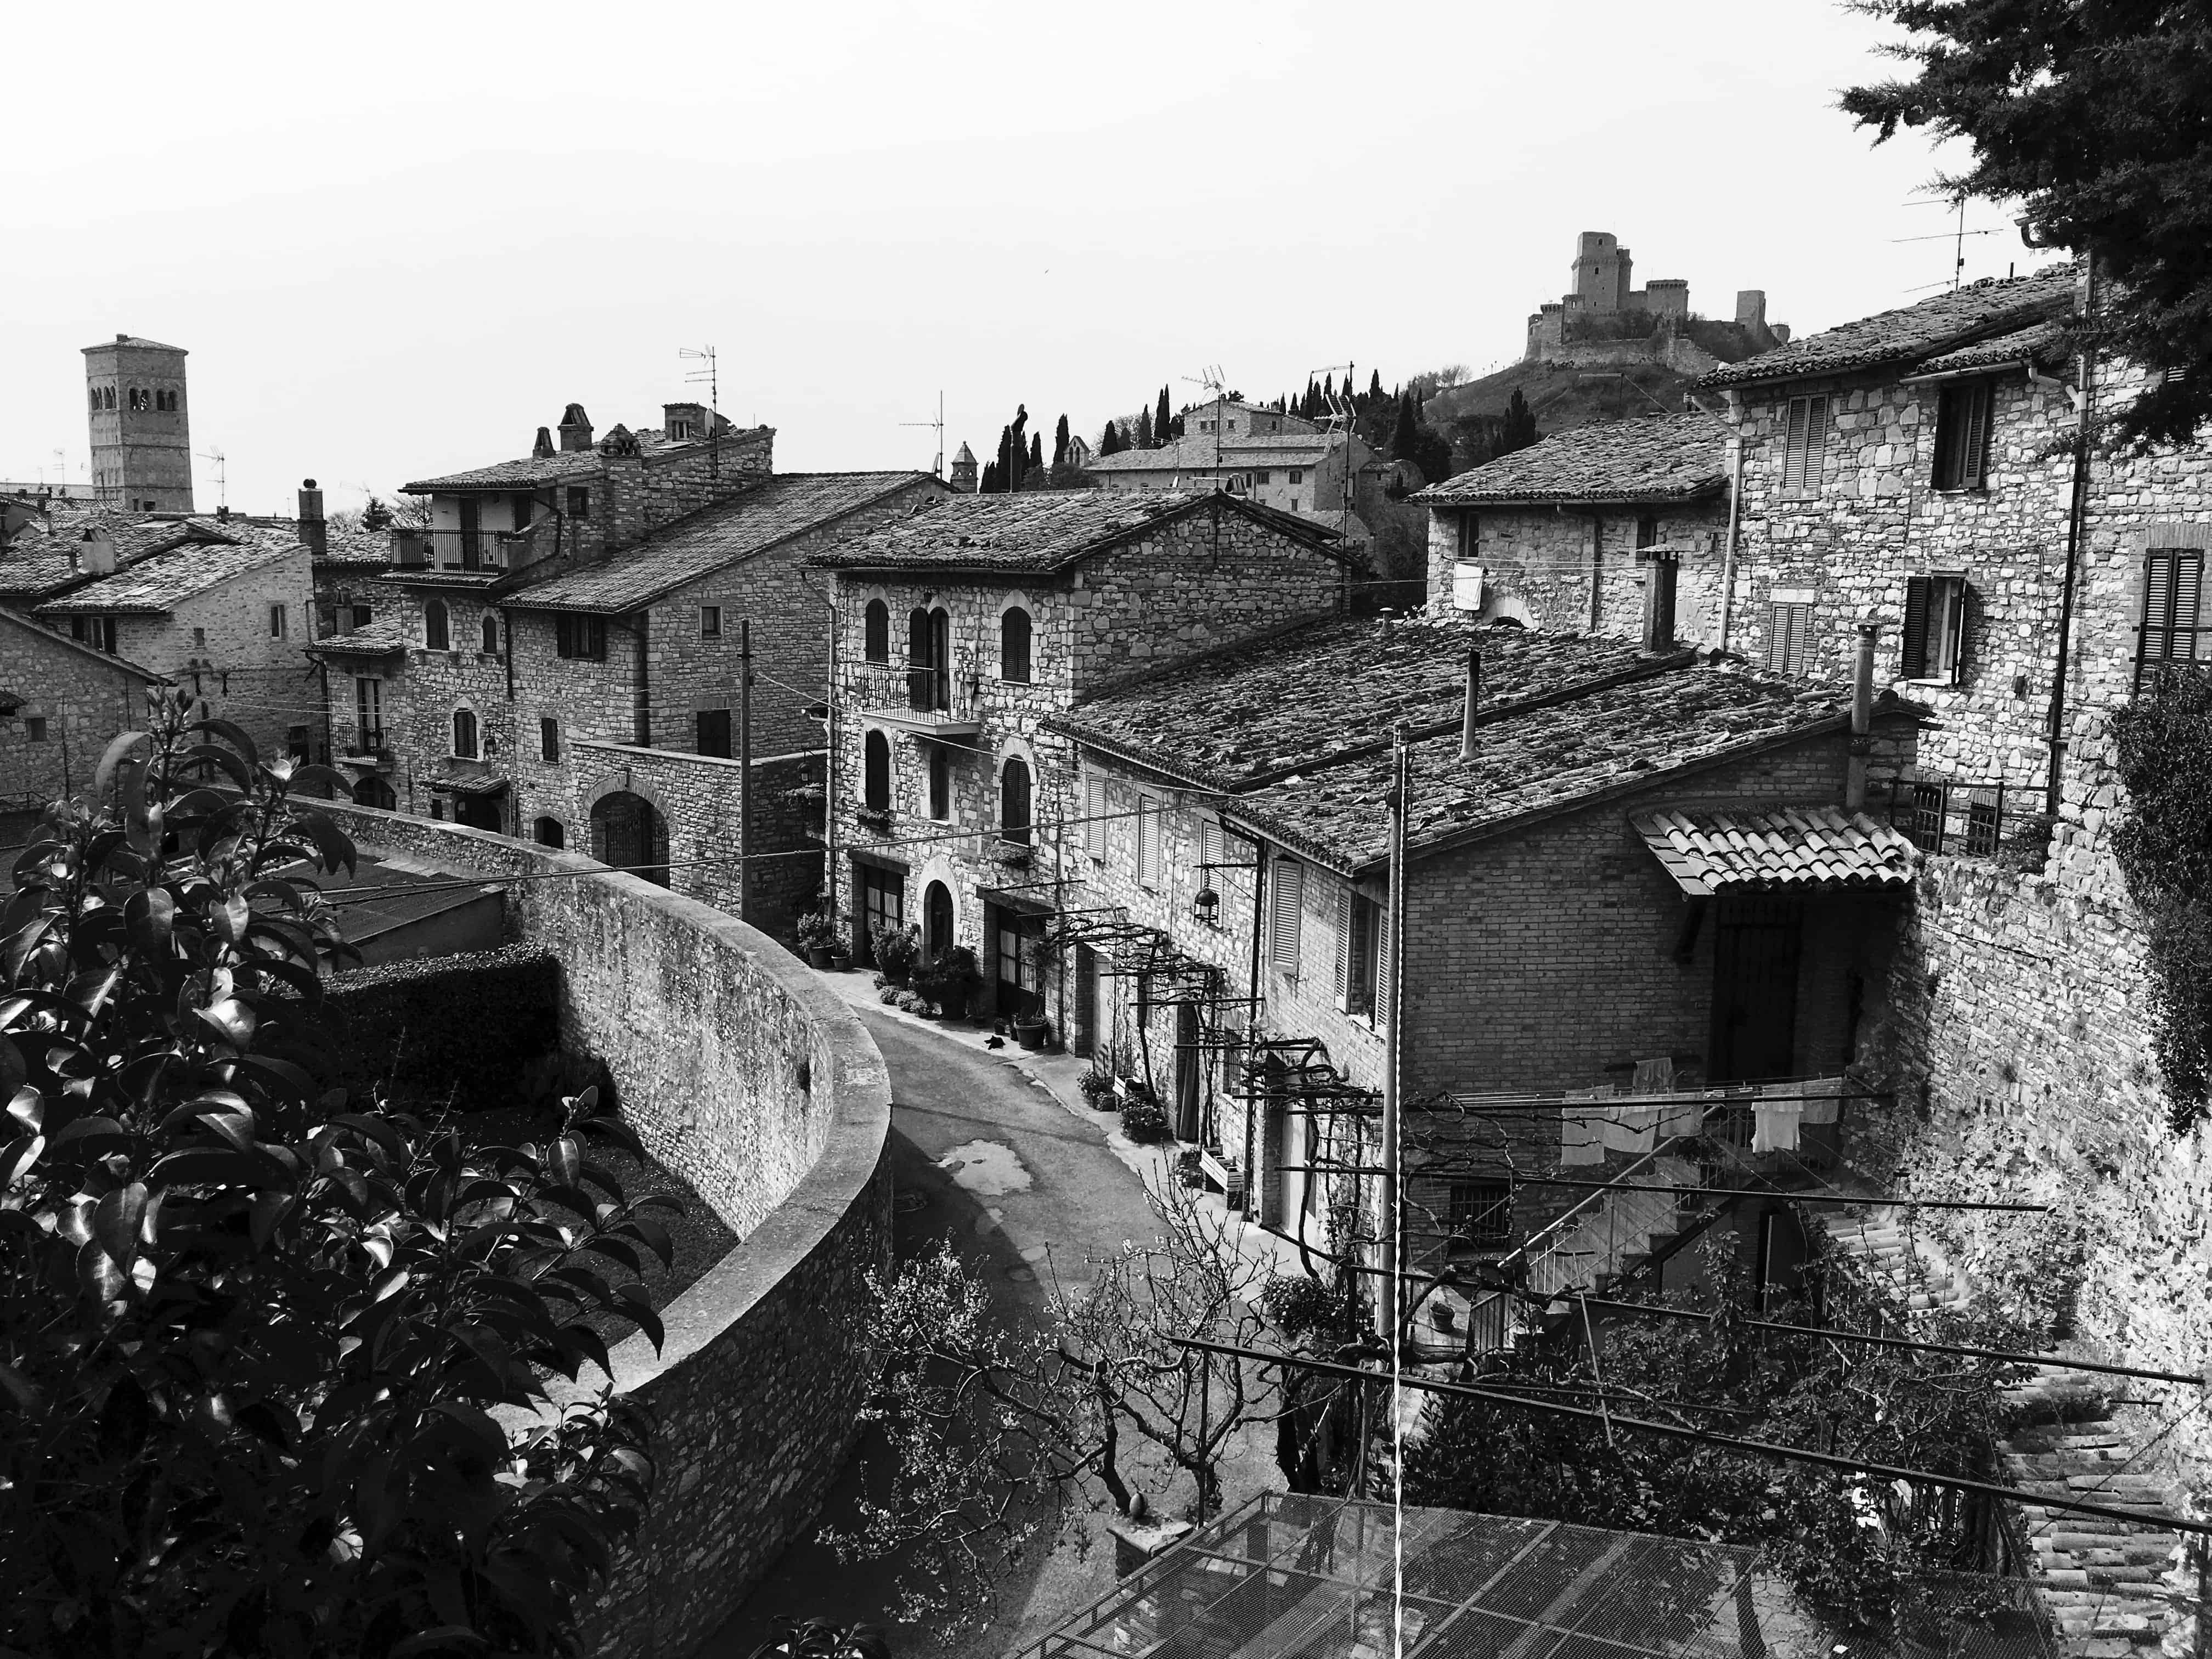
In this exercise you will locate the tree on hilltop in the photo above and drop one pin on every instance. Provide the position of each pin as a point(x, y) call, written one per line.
point(1163, 420)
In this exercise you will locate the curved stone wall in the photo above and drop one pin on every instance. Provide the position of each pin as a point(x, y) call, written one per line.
point(744, 1075)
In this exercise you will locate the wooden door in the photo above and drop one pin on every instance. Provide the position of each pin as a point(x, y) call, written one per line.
point(1757, 944)
point(1187, 1073)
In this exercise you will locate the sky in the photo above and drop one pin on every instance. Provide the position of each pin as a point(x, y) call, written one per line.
point(398, 241)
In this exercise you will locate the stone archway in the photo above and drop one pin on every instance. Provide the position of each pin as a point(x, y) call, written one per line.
point(629, 833)
point(939, 930)
point(371, 790)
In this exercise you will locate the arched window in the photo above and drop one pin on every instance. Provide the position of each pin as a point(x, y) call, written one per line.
point(1014, 801)
point(1014, 646)
point(107, 396)
point(465, 733)
point(548, 832)
point(940, 782)
point(491, 634)
point(876, 632)
point(96, 396)
point(433, 625)
point(876, 783)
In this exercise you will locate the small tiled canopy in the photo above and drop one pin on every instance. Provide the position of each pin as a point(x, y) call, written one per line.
point(1790, 849)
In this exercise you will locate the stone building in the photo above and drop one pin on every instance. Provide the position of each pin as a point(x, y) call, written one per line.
point(1562, 534)
point(142, 443)
point(962, 630)
point(227, 619)
point(1558, 933)
point(60, 703)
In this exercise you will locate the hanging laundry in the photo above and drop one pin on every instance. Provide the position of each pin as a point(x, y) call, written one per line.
point(1632, 1126)
point(1579, 1129)
point(1824, 1098)
point(1774, 1125)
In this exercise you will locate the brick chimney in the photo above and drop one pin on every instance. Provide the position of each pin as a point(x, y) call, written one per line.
point(575, 428)
point(313, 530)
point(543, 449)
point(95, 554)
point(1663, 565)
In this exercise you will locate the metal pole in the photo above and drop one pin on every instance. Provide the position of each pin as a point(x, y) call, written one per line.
point(1394, 906)
point(2077, 513)
point(745, 769)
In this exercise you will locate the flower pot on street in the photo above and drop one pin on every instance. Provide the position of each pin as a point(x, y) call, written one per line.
point(818, 955)
point(1031, 1033)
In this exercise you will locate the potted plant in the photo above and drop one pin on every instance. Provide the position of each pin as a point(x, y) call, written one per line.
point(1031, 1029)
point(818, 936)
point(896, 950)
point(1142, 1119)
point(1098, 1090)
point(950, 981)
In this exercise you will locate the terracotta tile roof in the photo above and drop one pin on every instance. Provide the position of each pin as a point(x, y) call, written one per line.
point(1913, 332)
point(530, 472)
point(1661, 457)
point(1780, 849)
point(1038, 533)
point(781, 507)
point(379, 639)
point(1239, 716)
point(1196, 454)
point(133, 340)
point(2043, 344)
point(161, 582)
point(26, 577)
point(41, 562)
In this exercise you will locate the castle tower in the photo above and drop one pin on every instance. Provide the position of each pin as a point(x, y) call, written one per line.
point(142, 446)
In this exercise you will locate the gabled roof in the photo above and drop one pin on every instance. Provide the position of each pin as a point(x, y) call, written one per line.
point(161, 582)
point(36, 567)
point(2043, 344)
point(1790, 850)
point(1043, 531)
point(530, 471)
point(25, 692)
point(779, 507)
point(1196, 454)
point(1659, 458)
point(1913, 332)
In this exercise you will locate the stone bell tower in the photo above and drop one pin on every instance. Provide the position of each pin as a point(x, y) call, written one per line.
point(141, 445)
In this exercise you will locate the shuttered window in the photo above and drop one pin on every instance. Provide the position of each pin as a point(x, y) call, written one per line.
point(1788, 638)
point(1804, 446)
point(1148, 843)
point(1385, 968)
point(1962, 434)
point(2173, 625)
point(1934, 629)
point(1283, 917)
point(1357, 925)
point(1210, 846)
point(1094, 818)
point(1346, 906)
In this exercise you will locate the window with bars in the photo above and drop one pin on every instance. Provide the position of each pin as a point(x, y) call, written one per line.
point(1284, 918)
point(1804, 446)
point(1962, 434)
point(1789, 636)
point(1934, 629)
point(2174, 627)
point(1481, 1215)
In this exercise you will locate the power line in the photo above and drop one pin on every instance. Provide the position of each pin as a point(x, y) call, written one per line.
point(1776, 1192)
point(1705, 1436)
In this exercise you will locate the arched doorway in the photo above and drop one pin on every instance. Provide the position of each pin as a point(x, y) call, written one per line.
point(372, 791)
point(936, 921)
point(630, 834)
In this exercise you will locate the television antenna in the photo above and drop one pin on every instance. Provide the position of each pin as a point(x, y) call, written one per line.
point(1342, 413)
point(937, 468)
point(1215, 381)
point(710, 374)
point(213, 453)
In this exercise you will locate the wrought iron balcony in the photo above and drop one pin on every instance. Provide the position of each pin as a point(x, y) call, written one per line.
point(448, 548)
point(924, 704)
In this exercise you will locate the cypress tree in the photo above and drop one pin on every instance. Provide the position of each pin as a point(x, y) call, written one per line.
point(1004, 467)
point(1407, 434)
point(1374, 385)
point(1109, 441)
point(1036, 452)
point(1162, 421)
point(1520, 427)
point(1144, 428)
point(1059, 443)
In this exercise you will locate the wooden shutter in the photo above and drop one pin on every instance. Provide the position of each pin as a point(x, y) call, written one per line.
point(1804, 445)
point(1210, 852)
point(1282, 919)
point(2188, 605)
point(1912, 662)
point(2158, 610)
point(1094, 818)
point(1346, 908)
point(1148, 842)
point(1816, 443)
point(1386, 971)
point(1974, 439)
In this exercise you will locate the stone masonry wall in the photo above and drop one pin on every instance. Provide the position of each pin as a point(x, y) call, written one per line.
point(1537, 567)
point(73, 698)
point(747, 1077)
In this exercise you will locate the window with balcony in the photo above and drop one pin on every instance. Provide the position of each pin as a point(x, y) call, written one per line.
point(1962, 434)
point(1014, 801)
point(1014, 646)
point(929, 660)
point(876, 773)
point(368, 715)
point(435, 635)
point(876, 632)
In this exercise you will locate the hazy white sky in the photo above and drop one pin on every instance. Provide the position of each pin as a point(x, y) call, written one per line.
point(399, 238)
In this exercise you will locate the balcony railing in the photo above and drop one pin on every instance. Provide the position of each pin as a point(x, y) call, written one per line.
point(453, 548)
point(929, 701)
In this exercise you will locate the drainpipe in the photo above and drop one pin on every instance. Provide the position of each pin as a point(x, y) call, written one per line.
point(1855, 770)
point(2076, 518)
point(1728, 550)
point(642, 697)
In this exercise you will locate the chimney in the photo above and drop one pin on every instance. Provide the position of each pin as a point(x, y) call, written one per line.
point(575, 428)
point(543, 449)
point(1663, 564)
point(1468, 703)
point(312, 529)
point(95, 554)
point(1855, 768)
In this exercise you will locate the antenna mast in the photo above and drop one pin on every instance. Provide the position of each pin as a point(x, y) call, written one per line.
point(221, 480)
point(1214, 381)
point(937, 468)
point(1342, 411)
point(711, 375)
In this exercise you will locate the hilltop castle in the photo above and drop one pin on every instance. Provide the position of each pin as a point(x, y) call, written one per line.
point(1605, 320)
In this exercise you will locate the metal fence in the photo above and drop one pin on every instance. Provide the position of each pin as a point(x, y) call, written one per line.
point(1953, 815)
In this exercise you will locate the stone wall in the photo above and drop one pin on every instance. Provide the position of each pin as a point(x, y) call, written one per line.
point(1540, 565)
point(744, 1075)
point(71, 700)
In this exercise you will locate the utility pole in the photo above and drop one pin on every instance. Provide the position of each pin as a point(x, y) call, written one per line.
point(745, 769)
point(1394, 905)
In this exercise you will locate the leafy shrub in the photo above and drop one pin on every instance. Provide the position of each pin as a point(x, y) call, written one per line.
point(1097, 1088)
point(951, 979)
point(1297, 1303)
point(895, 950)
point(1143, 1119)
point(912, 1002)
point(253, 1338)
point(817, 931)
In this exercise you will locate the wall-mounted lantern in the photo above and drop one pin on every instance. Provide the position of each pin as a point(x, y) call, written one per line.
point(1206, 907)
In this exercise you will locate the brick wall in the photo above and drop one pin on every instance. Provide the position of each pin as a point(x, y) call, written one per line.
point(73, 699)
point(755, 1084)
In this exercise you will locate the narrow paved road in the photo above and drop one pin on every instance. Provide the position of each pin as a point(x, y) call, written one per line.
point(1025, 1189)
